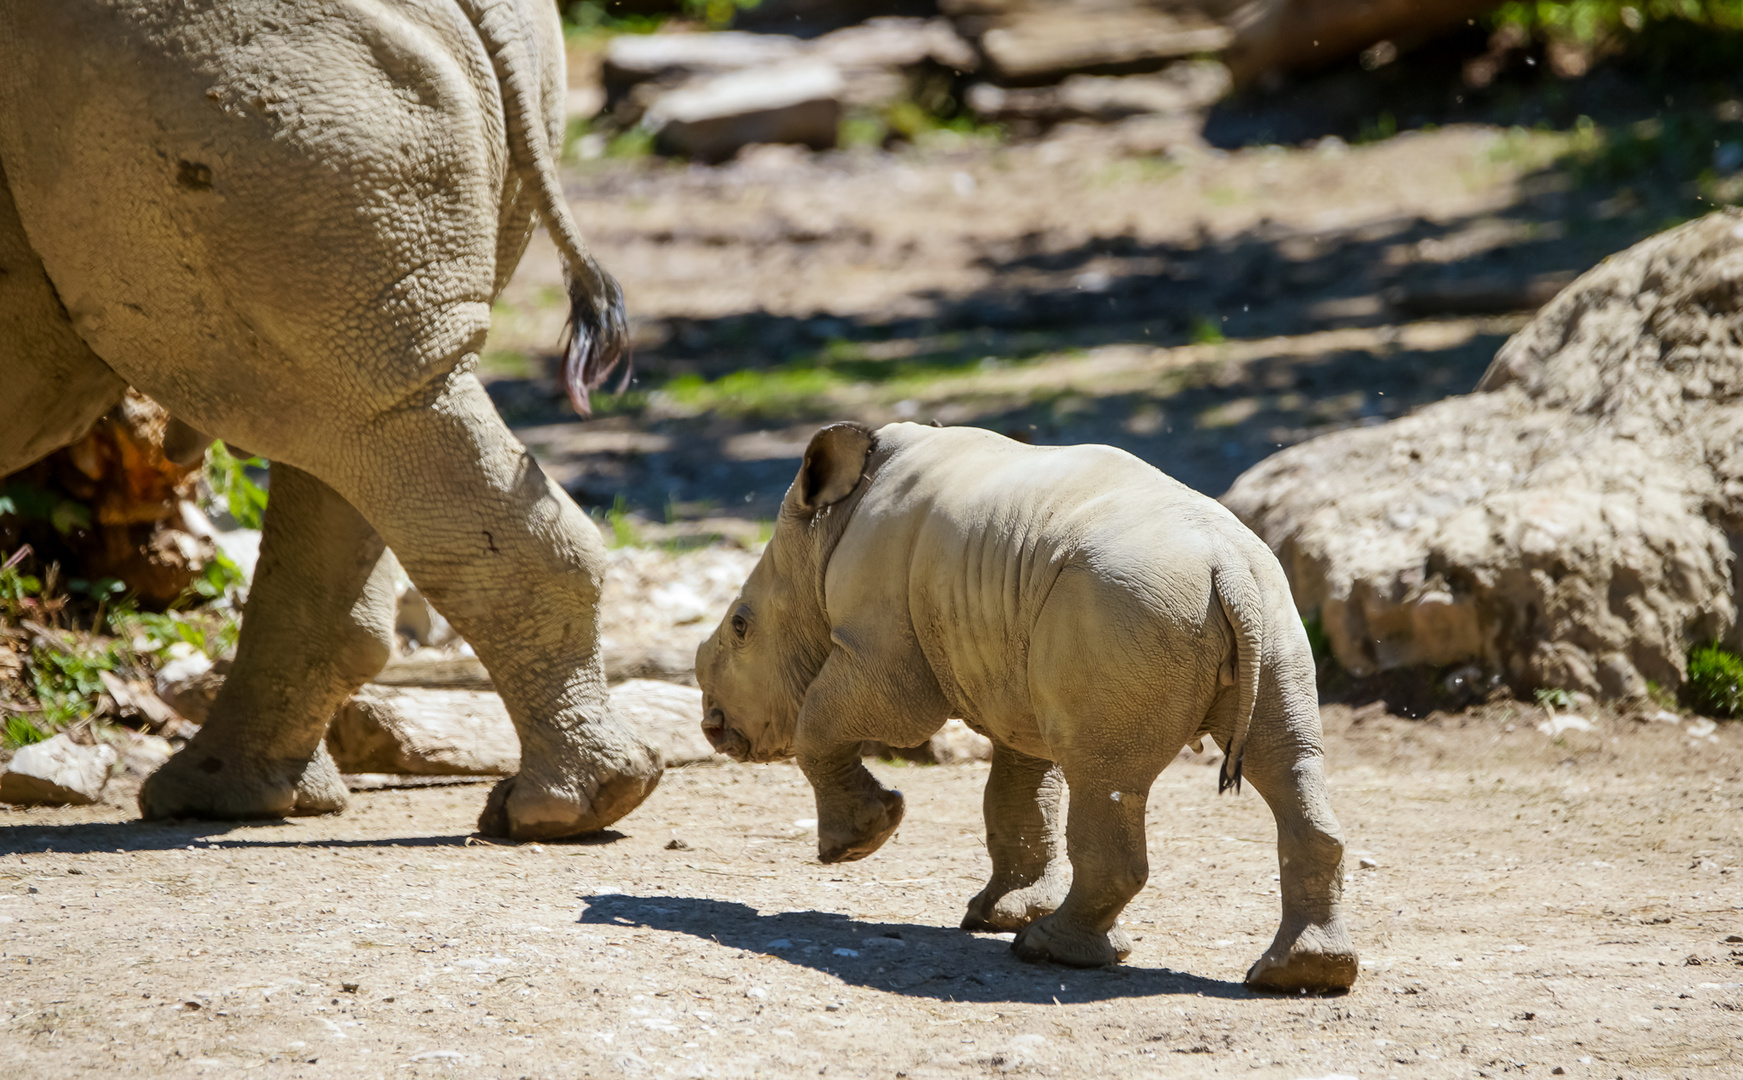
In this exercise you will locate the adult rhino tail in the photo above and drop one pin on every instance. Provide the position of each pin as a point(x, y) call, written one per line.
point(596, 341)
point(1239, 595)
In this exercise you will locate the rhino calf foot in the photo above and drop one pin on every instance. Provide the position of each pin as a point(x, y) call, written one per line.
point(1002, 912)
point(210, 781)
point(875, 816)
point(1051, 939)
point(550, 803)
point(1319, 958)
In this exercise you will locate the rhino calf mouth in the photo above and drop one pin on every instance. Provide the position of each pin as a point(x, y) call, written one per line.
point(723, 738)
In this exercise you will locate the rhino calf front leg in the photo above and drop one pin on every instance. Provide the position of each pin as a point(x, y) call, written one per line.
point(855, 813)
point(1023, 838)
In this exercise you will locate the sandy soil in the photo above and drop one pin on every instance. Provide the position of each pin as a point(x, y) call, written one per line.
point(1537, 907)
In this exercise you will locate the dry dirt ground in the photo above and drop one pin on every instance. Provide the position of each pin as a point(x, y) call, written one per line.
point(1538, 907)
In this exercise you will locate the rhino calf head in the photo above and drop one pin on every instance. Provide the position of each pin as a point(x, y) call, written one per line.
point(756, 666)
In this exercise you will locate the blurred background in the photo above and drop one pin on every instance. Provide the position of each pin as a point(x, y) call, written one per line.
point(1202, 231)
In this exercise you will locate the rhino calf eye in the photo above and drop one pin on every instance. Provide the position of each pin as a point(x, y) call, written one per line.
point(739, 626)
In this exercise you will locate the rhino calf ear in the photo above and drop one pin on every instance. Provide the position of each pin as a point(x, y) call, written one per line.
point(834, 462)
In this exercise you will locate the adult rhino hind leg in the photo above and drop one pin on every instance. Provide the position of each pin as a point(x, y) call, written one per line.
point(1024, 839)
point(318, 624)
point(517, 568)
point(1285, 763)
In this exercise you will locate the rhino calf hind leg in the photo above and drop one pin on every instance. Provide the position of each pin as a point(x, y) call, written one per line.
point(1023, 838)
point(318, 624)
point(1312, 950)
point(1104, 836)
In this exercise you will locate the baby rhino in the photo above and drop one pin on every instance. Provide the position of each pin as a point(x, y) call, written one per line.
point(1087, 614)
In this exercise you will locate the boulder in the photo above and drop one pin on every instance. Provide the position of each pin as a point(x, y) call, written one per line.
point(669, 716)
point(1185, 87)
point(631, 59)
point(424, 731)
point(712, 119)
point(57, 772)
point(1574, 523)
point(954, 744)
point(1035, 46)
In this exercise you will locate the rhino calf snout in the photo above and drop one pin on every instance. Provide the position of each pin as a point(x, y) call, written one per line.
point(722, 737)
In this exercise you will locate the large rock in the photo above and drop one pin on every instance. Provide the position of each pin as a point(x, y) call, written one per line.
point(1576, 522)
point(57, 772)
point(423, 731)
point(712, 119)
point(1183, 88)
point(1044, 44)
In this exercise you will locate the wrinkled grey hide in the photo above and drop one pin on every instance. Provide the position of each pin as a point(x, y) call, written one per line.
point(1087, 614)
point(286, 223)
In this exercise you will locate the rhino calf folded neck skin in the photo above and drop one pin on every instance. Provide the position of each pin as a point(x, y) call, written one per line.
point(1087, 614)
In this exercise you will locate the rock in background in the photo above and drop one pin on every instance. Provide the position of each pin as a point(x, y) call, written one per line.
point(422, 731)
point(1576, 522)
point(57, 772)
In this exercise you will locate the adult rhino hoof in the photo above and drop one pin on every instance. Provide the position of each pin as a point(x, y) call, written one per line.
point(1317, 960)
point(209, 781)
point(875, 819)
point(1048, 939)
point(1010, 911)
point(536, 806)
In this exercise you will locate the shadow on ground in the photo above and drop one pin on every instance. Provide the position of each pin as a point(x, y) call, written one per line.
point(902, 958)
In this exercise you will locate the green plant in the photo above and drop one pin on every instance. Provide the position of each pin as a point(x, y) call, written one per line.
point(1715, 682)
point(230, 482)
point(623, 530)
point(21, 732)
point(64, 677)
point(1317, 639)
point(1207, 332)
point(1554, 697)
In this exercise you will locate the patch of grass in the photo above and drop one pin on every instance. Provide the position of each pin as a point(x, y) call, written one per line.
point(1317, 639)
point(1207, 331)
point(19, 731)
point(1715, 682)
point(636, 142)
point(228, 477)
point(593, 17)
point(622, 525)
point(1381, 127)
point(1554, 697)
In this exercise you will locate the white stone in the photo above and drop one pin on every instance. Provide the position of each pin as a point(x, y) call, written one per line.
point(1558, 723)
point(57, 772)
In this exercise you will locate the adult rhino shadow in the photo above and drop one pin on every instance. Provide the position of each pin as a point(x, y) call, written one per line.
point(901, 958)
point(170, 835)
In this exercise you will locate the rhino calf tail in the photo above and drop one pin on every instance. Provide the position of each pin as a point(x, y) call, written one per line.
point(1239, 595)
point(596, 340)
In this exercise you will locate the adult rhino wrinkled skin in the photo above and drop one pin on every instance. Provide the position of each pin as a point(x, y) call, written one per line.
point(1083, 611)
point(286, 222)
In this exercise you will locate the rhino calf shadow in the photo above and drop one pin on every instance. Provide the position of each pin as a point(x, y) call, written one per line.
point(900, 958)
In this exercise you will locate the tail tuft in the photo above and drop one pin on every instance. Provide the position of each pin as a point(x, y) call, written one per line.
point(596, 340)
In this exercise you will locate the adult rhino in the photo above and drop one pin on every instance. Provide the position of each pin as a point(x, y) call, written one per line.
point(287, 222)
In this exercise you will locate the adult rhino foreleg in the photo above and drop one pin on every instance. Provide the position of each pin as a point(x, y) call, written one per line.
point(318, 624)
point(517, 568)
point(1025, 842)
point(1285, 762)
